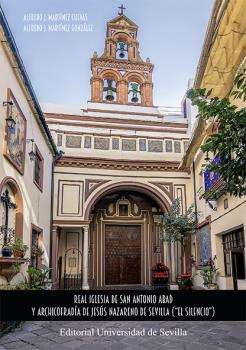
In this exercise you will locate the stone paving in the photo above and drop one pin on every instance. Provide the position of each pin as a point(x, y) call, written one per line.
point(200, 336)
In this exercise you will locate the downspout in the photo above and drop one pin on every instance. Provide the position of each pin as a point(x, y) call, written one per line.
point(194, 187)
point(195, 202)
point(58, 156)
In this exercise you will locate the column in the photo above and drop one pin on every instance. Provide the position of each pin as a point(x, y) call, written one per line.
point(122, 91)
point(166, 257)
point(147, 93)
point(54, 256)
point(85, 285)
point(96, 89)
point(173, 263)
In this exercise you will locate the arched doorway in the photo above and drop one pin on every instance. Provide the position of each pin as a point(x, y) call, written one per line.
point(124, 238)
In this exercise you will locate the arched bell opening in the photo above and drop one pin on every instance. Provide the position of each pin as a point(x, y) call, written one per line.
point(122, 50)
point(109, 90)
point(134, 92)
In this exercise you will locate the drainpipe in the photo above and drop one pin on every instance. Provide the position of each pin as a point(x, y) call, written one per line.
point(194, 187)
point(195, 201)
point(58, 156)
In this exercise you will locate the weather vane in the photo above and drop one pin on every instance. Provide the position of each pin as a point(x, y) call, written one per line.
point(122, 8)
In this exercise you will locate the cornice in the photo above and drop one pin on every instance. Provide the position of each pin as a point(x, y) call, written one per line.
point(121, 164)
point(129, 65)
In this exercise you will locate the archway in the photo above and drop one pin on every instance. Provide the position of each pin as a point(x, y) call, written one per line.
point(125, 236)
point(163, 200)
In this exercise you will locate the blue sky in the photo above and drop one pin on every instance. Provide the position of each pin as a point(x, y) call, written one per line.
point(171, 33)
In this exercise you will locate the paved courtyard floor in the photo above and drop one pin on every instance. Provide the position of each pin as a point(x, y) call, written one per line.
point(200, 336)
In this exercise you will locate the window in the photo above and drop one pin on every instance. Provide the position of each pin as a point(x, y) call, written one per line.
point(38, 169)
point(36, 250)
point(227, 257)
point(233, 242)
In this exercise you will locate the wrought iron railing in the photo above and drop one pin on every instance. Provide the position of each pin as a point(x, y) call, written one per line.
point(7, 235)
point(72, 281)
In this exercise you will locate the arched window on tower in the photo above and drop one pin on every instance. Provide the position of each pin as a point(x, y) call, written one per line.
point(122, 51)
point(109, 90)
point(134, 92)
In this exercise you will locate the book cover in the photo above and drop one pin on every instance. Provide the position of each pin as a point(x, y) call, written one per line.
point(122, 174)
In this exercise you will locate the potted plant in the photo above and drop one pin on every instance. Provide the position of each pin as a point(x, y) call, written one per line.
point(177, 226)
point(160, 275)
point(208, 273)
point(184, 281)
point(19, 248)
point(36, 251)
point(38, 276)
point(7, 250)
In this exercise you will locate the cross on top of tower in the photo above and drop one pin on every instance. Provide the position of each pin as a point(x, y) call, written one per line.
point(122, 8)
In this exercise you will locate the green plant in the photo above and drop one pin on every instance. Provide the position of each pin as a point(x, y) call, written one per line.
point(185, 281)
point(18, 246)
point(178, 226)
point(7, 247)
point(37, 276)
point(36, 251)
point(18, 286)
point(208, 273)
point(229, 139)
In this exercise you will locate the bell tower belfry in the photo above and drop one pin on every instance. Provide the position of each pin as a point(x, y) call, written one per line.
point(120, 75)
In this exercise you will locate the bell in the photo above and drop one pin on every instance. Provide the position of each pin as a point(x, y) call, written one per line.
point(110, 96)
point(122, 50)
point(135, 99)
point(122, 55)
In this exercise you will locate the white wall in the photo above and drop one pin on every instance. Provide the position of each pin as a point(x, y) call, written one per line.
point(36, 203)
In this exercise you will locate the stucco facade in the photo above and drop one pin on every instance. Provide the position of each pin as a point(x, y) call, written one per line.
point(119, 151)
point(32, 203)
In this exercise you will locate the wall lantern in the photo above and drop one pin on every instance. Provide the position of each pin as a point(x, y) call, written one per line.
point(207, 159)
point(10, 120)
point(32, 154)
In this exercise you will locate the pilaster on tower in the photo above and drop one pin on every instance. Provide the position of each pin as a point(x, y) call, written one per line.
point(119, 75)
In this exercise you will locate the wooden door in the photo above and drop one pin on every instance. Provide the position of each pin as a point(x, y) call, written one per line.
point(122, 254)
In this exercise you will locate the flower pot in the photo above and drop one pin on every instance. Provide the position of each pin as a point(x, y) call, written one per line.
point(182, 287)
point(7, 252)
point(18, 254)
point(160, 285)
point(212, 286)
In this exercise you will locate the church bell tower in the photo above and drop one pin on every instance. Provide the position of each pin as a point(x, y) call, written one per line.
point(120, 75)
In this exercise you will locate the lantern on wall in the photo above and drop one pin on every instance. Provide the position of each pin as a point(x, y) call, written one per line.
point(10, 120)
